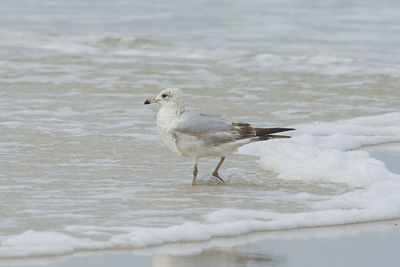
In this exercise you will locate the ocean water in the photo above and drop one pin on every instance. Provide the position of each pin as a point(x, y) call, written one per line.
point(82, 166)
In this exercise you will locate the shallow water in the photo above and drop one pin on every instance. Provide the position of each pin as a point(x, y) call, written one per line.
point(82, 166)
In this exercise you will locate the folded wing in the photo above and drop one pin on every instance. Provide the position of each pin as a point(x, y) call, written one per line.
point(212, 129)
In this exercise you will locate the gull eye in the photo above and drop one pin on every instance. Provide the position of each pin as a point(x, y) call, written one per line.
point(164, 95)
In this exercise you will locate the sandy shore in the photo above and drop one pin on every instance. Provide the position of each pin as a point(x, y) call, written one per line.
point(369, 244)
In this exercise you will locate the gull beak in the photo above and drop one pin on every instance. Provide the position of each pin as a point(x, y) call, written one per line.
point(150, 101)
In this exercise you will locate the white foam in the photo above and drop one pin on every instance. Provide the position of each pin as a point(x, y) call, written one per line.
point(34, 243)
point(327, 60)
point(222, 223)
point(342, 135)
point(293, 161)
point(323, 152)
point(310, 156)
point(318, 154)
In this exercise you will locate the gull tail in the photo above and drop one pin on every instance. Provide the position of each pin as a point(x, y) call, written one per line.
point(263, 134)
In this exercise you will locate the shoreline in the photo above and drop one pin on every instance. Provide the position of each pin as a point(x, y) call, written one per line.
point(314, 246)
point(375, 241)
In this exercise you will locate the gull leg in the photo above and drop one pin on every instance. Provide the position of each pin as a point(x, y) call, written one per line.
point(215, 173)
point(194, 173)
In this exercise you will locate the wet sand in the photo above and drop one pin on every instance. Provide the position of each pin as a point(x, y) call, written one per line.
point(352, 245)
point(368, 244)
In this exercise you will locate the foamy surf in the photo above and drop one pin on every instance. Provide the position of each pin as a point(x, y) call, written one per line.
point(361, 189)
point(223, 223)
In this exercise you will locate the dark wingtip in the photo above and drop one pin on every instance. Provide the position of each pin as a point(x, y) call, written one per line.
point(266, 131)
point(287, 129)
point(278, 136)
point(147, 102)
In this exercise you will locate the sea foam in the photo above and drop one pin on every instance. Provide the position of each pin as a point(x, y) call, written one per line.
point(327, 151)
point(317, 153)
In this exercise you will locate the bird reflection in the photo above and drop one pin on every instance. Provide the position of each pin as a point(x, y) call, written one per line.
point(211, 258)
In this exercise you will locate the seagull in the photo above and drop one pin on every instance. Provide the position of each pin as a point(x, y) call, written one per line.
point(197, 135)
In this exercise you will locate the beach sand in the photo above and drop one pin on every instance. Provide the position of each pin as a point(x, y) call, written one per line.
point(368, 244)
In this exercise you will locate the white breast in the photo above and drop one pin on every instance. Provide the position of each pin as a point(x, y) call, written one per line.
point(165, 123)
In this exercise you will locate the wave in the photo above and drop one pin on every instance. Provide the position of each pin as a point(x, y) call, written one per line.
point(324, 64)
point(92, 45)
point(223, 223)
point(320, 153)
point(124, 42)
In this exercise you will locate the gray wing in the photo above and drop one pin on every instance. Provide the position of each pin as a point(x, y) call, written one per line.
point(212, 129)
point(197, 123)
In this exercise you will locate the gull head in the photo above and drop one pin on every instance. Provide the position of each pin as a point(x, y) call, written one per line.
point(167, 96)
